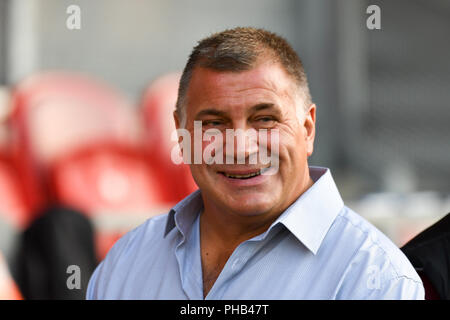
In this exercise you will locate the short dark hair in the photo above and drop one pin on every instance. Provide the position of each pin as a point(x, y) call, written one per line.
point(238, 50)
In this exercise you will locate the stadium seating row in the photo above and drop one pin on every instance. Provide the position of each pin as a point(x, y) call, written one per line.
point(74, 141)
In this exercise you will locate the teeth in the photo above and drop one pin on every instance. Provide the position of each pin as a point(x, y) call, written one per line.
point(242, 176)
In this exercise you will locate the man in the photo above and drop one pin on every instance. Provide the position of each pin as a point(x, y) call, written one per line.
point(249, 233)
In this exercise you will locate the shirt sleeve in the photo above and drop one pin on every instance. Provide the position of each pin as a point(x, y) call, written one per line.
point(401, 288)
point(109, 274)
point(92, 289)
point(373, 274)
point(380, 281)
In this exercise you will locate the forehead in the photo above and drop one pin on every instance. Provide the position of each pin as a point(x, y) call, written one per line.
point(266, 82)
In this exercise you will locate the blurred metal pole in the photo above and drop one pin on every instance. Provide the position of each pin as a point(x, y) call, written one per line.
point(3, 40)
point(22, 39)
point(320, 63)
point(353, 74)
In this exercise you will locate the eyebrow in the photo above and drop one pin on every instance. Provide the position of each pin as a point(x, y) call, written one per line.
point(220, 113)
point(210, 112)
point(263, 106)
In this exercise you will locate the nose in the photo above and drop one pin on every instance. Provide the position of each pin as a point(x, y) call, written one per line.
point(241, 145)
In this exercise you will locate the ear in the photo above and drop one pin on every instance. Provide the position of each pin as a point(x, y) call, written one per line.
point(310, 128)
point(177, 120)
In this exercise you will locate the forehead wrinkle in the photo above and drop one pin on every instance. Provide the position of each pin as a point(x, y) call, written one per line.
point(244, 103)
point(232, 91)
point(256, 78)
point(241, 105)
point(281, 89)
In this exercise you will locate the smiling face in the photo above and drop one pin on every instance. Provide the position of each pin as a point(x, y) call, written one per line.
point(264, 97)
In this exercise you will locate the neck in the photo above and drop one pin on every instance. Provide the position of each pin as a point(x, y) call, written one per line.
point(229, 229)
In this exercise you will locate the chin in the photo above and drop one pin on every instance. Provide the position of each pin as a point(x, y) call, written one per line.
point(250, 206)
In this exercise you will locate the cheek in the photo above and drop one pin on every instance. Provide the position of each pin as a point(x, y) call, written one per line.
point(200, 175)
point(293, 152)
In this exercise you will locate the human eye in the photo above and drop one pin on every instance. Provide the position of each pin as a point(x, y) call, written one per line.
point(213, 122)
point(265, 121)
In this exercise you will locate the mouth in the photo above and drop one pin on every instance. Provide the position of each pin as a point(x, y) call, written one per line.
point(243, 175)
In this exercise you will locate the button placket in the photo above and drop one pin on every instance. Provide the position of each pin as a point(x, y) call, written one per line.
point(235, 262)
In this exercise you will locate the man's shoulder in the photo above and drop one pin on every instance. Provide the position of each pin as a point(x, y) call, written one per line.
point(130, 250)
point(370, 241)
point(370, 254)
point(147, 232)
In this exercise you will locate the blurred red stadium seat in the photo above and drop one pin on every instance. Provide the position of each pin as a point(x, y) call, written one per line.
point(76, 143)
point(111, 176)
point(113, 184)
point(14, 211)
point(13, 208)
point(14, 214)
point(54, 113)
point(157, 107)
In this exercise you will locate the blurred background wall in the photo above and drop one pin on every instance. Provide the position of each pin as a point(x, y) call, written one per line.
point(382, 95)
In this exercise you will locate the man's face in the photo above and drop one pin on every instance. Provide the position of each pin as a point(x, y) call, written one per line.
point(264, 97)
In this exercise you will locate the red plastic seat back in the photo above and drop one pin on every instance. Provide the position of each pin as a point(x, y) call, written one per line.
point(13, 207)
point(55, 113)
point(113, 184)
point(157, 107)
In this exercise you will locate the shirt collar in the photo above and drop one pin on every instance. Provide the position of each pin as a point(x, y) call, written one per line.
point(308, 218)
point(183, 214)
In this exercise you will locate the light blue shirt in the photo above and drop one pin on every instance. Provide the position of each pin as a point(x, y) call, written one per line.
point(316, 249)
